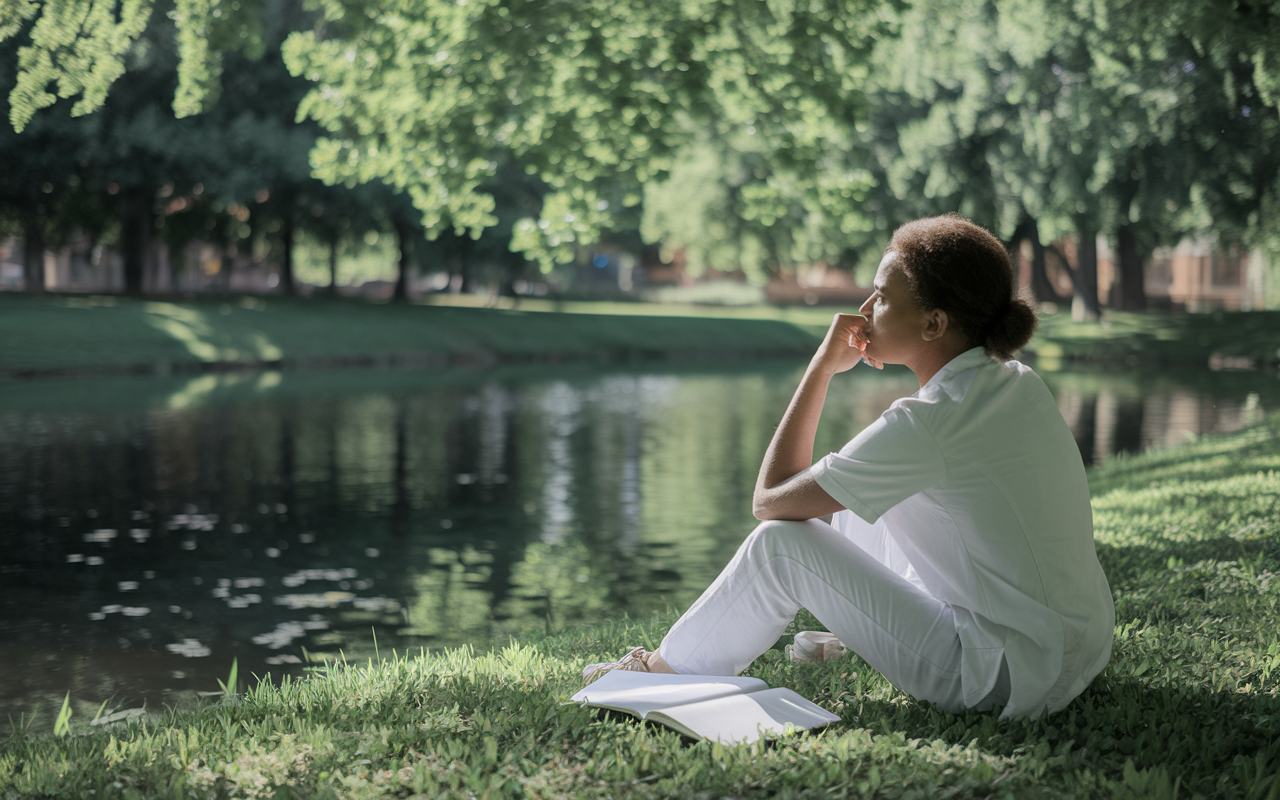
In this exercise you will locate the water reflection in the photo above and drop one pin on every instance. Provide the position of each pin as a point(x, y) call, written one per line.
point(1116, 416)
point(153, 529)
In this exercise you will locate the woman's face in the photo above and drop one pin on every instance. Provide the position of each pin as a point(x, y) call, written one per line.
point(895, 322)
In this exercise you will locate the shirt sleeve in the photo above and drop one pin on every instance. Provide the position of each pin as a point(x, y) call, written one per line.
point(893, 458)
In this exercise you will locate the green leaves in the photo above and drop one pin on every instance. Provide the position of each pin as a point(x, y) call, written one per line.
point(13, 14)
point(79, 47)
point(594, 98)
point(76, 45)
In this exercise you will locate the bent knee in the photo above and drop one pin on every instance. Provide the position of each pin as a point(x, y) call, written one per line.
point(771, 533)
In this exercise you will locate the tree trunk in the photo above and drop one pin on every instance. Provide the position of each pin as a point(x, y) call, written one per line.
point(403, 233)
point(463, 247)
point(1084, 305)
point(333, 261)
point(1041, 286)
point(1040, 283)
point(465, 269)
point(287, 283)
point(33, 251)
point(135, 236)
point(1133, 291)
point(512, 266)
point(227, 254)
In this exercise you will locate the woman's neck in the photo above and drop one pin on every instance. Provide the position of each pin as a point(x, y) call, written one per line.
point(935, 355)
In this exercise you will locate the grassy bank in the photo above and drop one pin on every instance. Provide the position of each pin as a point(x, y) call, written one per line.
point(80, 334)
point(1123, 338)
point(1188, 706)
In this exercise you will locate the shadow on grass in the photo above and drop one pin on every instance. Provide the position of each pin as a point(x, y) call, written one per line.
point(1125, 565)
point(1215, 743)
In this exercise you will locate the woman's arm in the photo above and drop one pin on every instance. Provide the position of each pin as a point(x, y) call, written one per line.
point(784, 488)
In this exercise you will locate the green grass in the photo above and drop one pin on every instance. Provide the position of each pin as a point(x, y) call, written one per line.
point(114, 334)
point(80, 334)
point(1122, 337)
point(1188, 706)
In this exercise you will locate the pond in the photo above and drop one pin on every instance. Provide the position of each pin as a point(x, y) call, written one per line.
point(155, 529)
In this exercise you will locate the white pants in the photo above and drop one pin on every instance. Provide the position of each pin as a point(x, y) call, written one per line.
point(902, 631)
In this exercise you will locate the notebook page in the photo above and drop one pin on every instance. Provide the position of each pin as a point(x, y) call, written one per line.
point(643, 692)
point(742, 718)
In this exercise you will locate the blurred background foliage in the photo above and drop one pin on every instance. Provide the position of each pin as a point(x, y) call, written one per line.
point(498, 139)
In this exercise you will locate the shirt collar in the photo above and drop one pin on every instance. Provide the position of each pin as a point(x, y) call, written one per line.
point(973, 357)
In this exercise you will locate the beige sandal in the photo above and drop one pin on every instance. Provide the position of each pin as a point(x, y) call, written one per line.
point(815, 647)
point(636, 660)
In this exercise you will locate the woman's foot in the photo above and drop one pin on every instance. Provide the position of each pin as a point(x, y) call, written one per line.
point(636, 660)
point(815, 647)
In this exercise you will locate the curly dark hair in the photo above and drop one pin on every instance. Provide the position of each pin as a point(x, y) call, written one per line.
point(954, 265)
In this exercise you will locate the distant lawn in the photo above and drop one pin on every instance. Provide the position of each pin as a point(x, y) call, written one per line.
point(104, 333)
point(109, 334)
point(1188, 707)
point(1148, 338)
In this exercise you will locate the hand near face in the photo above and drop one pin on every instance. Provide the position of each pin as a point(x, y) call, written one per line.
point(860, 340)
point(845, 345)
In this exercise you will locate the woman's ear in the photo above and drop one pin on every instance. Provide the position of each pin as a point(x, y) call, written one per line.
point(935, 325)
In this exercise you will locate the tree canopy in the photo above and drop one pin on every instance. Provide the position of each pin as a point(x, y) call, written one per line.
point(765, 132)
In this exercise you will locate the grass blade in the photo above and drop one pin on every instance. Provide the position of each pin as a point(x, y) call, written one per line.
point(229, 688)
point(62, 725)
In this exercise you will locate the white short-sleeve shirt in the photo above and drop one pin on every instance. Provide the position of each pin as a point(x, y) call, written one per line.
point(978, 481)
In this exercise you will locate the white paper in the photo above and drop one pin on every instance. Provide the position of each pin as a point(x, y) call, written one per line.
point(728, 709)
point(743, 718)
point(642, 692)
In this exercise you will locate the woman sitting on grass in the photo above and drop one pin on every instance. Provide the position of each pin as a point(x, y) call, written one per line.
point(958, 559)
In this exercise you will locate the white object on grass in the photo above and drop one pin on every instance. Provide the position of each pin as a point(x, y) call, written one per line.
point(727, 709)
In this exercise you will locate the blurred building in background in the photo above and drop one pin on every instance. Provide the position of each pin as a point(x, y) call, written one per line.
point(1197, 275)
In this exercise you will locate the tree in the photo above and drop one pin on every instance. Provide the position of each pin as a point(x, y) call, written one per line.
point(1032, 117)
point(41, 173)
point(235, 172)
point(488, 259)
point(584, 96)
point(729, 204)
point(1041, 119)
point(593, 98)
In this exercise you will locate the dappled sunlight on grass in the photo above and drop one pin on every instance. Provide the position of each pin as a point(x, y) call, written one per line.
point(104, 334)
point(193, 329)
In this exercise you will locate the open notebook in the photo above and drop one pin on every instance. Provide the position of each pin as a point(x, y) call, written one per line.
point(730, 710)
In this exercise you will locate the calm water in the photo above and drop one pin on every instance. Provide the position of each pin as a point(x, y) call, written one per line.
point(155, 529)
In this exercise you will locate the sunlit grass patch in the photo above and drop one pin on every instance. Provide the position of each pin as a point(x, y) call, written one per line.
point(1188, 706)
point(70, 334)
point(98, 334)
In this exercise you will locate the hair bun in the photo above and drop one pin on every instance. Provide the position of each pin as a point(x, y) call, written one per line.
point(1011, 329)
